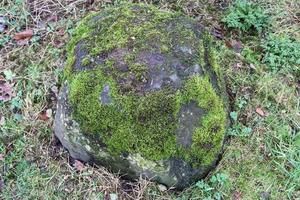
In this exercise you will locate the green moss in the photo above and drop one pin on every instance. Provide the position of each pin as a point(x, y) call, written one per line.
point(149, 118)
point(139, 70)
point(145, 122)
point(212, 55)
point(86, 61)
point(207, 138)
point(84, 93)
point(149, 121)
point(213, 59)
point(116, 30)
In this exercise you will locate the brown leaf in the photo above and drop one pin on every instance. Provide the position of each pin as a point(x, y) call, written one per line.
point(27, 34)
point(2, 79)
point(79, 165)
point(57, 43)
point(52, 18)
point(1, 157)
point(261, 112)
point(237, 46)
point(237, 195)
point(61, 32)
point(6, 91)
point(43, 116)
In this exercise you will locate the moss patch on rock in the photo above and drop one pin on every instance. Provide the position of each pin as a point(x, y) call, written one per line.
point(130, 70)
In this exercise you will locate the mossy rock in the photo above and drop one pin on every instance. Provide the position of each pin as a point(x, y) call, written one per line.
point(143, 95)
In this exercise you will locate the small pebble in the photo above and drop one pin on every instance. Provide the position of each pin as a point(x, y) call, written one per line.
point(264, 196)
point(162, 188)
point(2, 24)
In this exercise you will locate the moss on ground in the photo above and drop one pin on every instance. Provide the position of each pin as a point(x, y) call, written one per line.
point(139, 121)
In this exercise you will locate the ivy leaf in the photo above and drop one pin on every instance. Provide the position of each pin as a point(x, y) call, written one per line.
point(8, 74)
point(234, 115)
point(246, 131)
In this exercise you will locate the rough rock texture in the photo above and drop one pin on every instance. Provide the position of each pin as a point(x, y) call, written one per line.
point(143, 95)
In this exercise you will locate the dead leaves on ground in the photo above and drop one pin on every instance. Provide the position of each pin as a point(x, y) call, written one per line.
point(237, 195)
point(27, 34)
point(23, 37)
point(45, 115)
point(6, 90)
point(236, 45)
point(79, 166)
point(261, 112)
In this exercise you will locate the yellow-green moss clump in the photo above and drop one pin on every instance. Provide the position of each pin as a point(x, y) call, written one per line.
point(131, 69)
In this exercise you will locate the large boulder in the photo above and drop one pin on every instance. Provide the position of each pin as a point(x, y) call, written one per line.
point(143, 95)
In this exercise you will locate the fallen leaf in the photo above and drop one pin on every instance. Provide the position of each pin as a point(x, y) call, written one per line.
point(6, 91)
point(79, 165)
point(237, 195)
point(61, 32)
point(261, 112)
point(52, 18)
point(43, 116)
point(1, 157)
point(27, 34)
point(236, 45)
point(57, 43)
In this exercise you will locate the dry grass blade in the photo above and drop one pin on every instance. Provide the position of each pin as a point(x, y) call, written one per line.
point(42, 10)
point(113, 184)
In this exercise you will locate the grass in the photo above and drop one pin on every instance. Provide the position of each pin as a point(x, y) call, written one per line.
point(262, 158)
